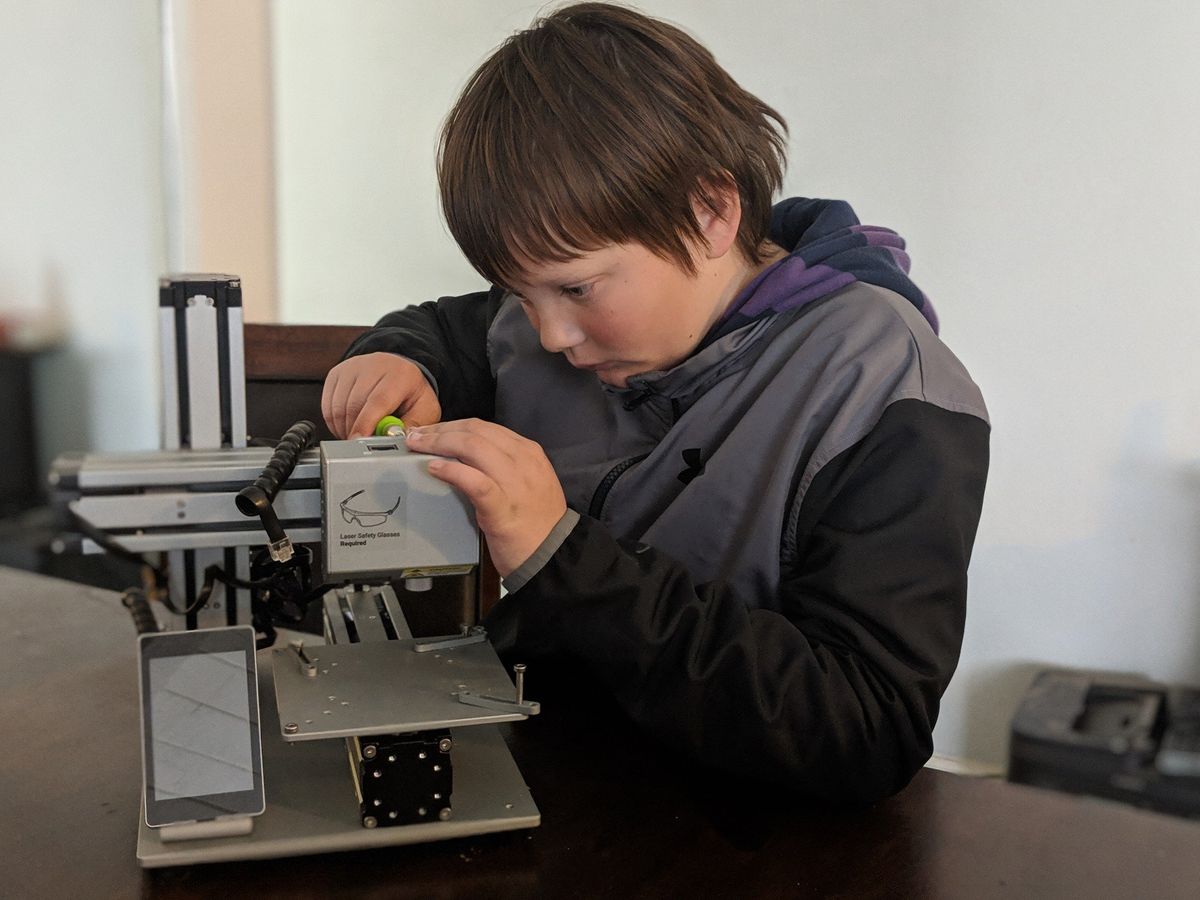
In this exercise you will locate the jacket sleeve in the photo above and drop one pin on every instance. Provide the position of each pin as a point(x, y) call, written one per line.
point(448, 339)
point(835, 691)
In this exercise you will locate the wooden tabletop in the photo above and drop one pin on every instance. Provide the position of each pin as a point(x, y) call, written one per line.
point(621, 817)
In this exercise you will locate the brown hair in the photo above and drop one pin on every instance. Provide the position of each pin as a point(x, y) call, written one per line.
point(600, 125)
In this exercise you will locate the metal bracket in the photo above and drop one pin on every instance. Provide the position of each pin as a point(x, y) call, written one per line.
point(307, 666)
point(475, 634)
point(528, 707)
point(520, 704)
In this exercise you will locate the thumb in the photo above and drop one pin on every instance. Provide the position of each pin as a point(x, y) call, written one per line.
point(425, 410)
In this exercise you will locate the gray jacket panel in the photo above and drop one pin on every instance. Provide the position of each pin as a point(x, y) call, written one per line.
point(735, 434)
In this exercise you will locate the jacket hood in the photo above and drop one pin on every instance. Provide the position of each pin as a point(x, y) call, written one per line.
point(830, 249)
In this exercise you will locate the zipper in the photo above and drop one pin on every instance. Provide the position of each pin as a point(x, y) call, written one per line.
point(606, 484)
point(637, 400)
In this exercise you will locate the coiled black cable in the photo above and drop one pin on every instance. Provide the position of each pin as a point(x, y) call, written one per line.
point(135, 600)
point(252, 498)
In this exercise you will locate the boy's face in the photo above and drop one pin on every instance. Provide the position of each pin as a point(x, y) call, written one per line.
point(622, 310)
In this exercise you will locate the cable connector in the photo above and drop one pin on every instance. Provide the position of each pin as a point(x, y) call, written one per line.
point(256, 499)
point(281, 550)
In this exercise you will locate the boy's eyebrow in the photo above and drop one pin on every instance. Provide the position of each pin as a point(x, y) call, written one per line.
point(564, 275)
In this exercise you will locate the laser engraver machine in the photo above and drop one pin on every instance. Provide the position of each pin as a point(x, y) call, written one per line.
point(416, 718)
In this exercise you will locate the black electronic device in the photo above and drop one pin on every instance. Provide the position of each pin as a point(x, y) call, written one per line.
point(401, 779)
point(201, 745)
point(1110, 735)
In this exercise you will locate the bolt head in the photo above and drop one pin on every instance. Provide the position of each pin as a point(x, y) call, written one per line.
point(369, 751)
point(444, 813)
point(369, 822)
point(445, 744)
point(291, 728)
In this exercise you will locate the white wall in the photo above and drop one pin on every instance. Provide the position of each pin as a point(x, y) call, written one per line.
point(360, 92)
point(81, 226)
point(1042, 161)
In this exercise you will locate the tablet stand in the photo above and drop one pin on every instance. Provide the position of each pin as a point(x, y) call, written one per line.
point(230, 826)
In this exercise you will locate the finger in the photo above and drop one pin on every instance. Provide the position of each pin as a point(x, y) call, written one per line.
point(506, 439)
point(338, 400)
point(424, 410)
point(469, 447)
point(368, 402)
point(477, 487)
point(388, 398)
point(327, 393)
point(343, 381)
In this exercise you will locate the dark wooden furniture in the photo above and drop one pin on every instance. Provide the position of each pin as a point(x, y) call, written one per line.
point(621, 818)
point(285, 371)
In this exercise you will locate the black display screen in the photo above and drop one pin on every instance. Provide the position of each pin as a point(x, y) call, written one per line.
point(202, 755)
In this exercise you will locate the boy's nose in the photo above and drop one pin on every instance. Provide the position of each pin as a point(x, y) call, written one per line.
point(558, 332)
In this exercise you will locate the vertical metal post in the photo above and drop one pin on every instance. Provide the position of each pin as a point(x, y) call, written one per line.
point(204, 408)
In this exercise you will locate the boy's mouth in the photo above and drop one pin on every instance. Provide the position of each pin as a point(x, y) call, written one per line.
point(590, 366)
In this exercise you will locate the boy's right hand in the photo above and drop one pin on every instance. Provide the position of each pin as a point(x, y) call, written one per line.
point(363, 389)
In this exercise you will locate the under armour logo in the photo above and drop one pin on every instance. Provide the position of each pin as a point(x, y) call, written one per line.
point(695, 464)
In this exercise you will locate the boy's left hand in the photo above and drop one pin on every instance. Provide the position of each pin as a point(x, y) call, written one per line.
point(508, 479)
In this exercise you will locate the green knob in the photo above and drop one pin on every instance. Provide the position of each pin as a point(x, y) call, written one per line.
point(389, 426)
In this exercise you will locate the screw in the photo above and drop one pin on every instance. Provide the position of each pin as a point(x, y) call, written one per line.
point(519, 672)
point(369, 751)
point(369, 822)
point(445, 744)
point(421, 811)
point(291, 728)
point(444, 813)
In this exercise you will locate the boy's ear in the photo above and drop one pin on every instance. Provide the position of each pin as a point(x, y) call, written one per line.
point(717, 207)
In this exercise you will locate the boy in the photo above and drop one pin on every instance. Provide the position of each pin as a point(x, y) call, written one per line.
point(720, 458)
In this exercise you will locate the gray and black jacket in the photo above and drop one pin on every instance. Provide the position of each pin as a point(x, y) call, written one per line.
point(766, 557)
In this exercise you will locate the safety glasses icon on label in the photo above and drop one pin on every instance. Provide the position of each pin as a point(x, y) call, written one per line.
point(363, 518)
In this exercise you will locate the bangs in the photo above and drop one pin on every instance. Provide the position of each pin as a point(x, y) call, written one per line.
point(596, 128)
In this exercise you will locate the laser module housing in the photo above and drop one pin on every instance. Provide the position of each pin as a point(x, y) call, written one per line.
point(384, 515)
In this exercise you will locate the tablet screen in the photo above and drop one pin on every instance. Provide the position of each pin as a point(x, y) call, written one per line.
point(202, 756)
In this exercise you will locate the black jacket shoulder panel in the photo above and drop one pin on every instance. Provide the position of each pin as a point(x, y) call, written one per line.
point(448, 337)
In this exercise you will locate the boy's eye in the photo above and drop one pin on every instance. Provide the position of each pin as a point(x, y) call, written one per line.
point(576, 291)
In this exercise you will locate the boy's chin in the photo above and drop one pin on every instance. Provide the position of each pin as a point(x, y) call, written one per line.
point(615, 379)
